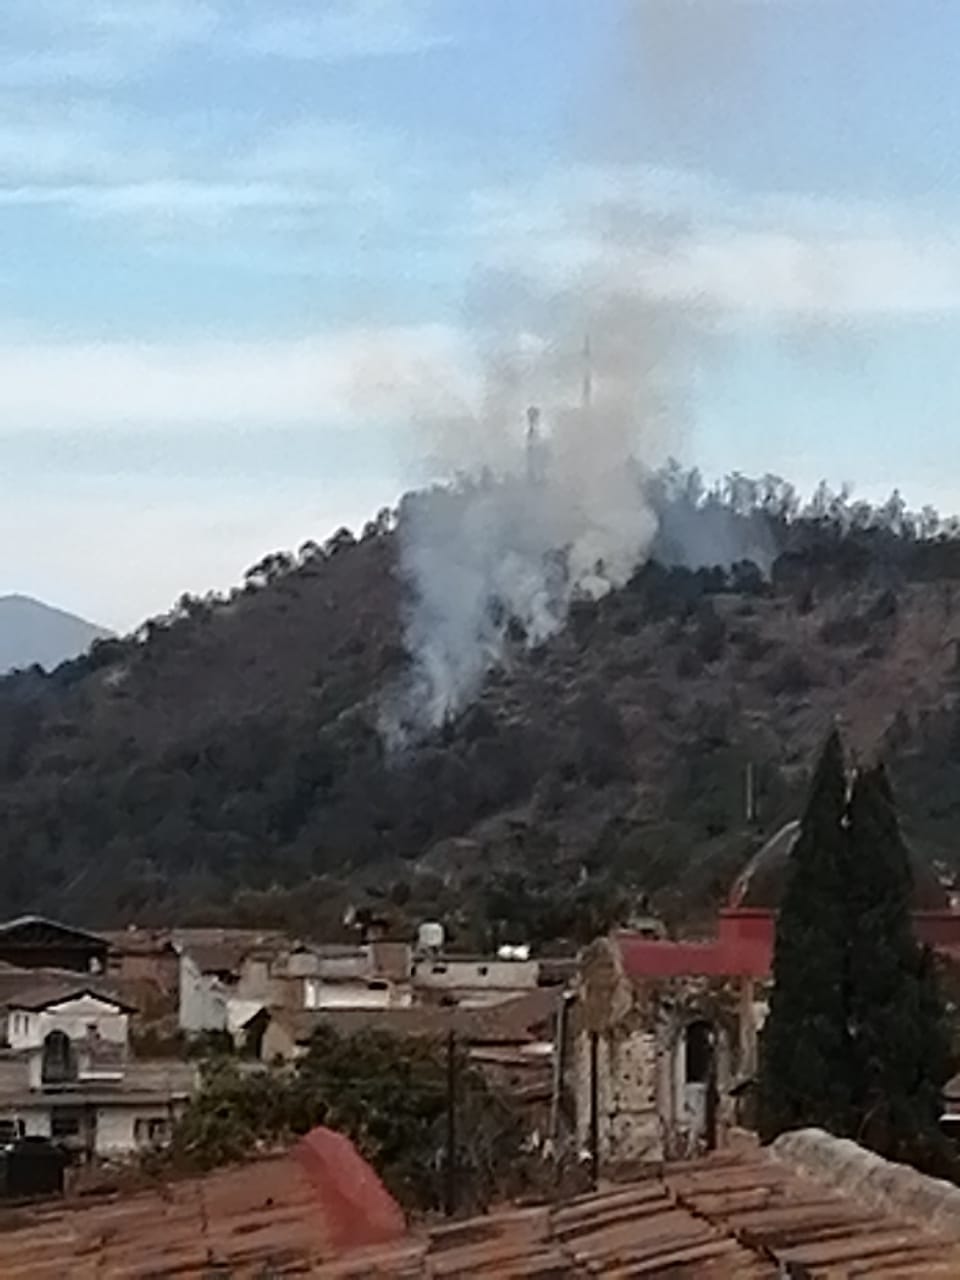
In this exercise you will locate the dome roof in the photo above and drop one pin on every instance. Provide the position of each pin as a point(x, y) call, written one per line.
point(761, 883)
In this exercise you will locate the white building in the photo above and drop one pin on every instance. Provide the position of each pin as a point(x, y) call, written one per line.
point(66, 1072)
point(473, 980)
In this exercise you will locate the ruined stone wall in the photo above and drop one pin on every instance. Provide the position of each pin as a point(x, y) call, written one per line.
point(647, 1110)
point(629, 1126)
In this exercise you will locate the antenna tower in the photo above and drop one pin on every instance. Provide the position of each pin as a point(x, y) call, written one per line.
point(586, 395)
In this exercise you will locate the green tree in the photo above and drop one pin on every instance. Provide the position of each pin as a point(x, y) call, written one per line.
point(387, 1093)
point(805, 1062)
point(900, 1049)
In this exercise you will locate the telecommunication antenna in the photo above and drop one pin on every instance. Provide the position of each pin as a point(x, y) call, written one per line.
point(586, 394)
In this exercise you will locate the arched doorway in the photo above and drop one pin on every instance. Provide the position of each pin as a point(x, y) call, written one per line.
point(698, 1084)
point(59, 1061)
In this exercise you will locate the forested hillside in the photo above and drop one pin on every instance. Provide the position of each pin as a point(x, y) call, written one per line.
point(224, 763)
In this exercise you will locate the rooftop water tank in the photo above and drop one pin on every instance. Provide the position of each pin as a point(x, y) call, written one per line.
point(430, 936)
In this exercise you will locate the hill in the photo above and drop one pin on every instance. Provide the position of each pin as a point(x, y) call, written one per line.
point(224, 763)
point(34, 633)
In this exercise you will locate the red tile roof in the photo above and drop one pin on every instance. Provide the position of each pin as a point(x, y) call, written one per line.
point(731, 1216)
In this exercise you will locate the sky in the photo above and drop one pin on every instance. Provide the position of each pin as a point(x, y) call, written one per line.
point(248, 248)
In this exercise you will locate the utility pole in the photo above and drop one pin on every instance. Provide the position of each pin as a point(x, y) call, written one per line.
point(450, 1163)
point(594, 1109)
point(750, 796)
point(559, 1071)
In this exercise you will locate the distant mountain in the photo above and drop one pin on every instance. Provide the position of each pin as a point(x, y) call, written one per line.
point(32, 632)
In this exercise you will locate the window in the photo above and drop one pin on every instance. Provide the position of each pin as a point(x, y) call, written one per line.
point(439, 968)
point(59, 1061)
point(377, 984)
point(151, 1131)
point(482, 970)
point(65, 1122)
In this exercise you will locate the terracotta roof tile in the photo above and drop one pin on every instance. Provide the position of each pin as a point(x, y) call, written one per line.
point(262, 1219)
point(511, 1021)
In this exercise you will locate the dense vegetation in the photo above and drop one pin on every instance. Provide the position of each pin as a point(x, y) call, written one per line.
point(223, 763)
point(856, 1040)
point(388, 1094)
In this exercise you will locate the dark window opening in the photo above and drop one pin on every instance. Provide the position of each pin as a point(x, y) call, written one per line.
point(59, 1061)
point(65, 1122)
point(699, 1055)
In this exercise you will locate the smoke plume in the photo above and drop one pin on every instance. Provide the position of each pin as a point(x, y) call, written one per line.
point(544, 502)
point(524, 521)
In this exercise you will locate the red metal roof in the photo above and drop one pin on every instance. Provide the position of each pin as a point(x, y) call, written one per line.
point(719, 958)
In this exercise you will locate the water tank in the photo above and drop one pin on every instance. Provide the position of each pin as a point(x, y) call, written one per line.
point(514, 951)
point(430, 936)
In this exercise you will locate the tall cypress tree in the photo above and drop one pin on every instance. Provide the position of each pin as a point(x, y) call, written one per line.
point(805, 1063)
point(899, 1048)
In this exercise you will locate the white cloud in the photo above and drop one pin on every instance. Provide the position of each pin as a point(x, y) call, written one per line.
point(108, 42)
point(341, 29)
point(678, 238)
point(338, 379)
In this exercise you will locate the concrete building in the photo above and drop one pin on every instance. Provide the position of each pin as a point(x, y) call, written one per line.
point(524, 1023)
point(375, 975)
point(472, 980)
point(34, 942)
point(146, 957)
point(66, 1071)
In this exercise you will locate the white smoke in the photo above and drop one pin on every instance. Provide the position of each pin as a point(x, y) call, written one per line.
point(495, 554)
point(528, 522)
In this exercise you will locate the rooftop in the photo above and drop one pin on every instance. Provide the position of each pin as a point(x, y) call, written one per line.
point(508, 1021)
point(731, 1216)
point(66, 935)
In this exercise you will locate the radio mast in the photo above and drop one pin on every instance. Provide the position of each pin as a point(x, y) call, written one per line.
point(586, 393)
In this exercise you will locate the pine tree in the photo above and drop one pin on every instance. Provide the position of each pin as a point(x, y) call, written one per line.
point(805, 1063)
point(899, 1049)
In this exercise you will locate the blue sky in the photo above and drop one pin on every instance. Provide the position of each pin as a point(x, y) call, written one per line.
point(249, 248)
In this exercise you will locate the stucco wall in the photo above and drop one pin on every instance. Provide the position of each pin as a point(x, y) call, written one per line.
point(115, 1130)
point(36, 1120)
point(443, 974)
point(203, 1000)
point(277, 1043)
point(27, 1029)
point(358, 994)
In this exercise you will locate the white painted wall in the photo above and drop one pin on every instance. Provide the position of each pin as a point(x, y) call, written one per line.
point(27, 1029)
point(449, 973)
point(36, 1120)
point(203, 998)
point(115, 1127)
point(301, 964)
point(318, 994)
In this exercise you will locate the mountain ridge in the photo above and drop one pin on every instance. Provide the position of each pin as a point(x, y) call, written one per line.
point(224, 763)
point(34, 632)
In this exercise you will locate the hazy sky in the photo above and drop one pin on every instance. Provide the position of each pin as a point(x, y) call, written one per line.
point(243, 240)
